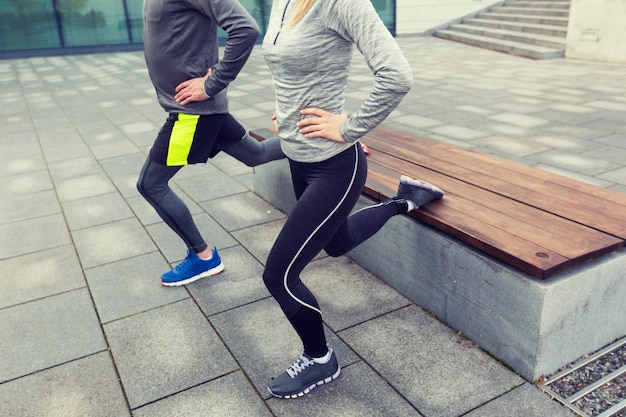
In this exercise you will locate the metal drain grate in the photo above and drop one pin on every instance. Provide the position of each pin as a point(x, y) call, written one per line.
point(595, 386)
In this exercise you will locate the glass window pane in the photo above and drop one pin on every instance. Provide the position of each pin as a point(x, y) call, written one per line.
point(93, 22)
point(135, 16)
point(386, 11)
point(27, 24)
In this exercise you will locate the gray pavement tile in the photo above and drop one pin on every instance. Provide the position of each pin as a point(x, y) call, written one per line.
point(209, 186)
point(95, 128)
point(26, 183)
point(94, 211)
point(521, 120)
point(562, 143)
point(66, 152)
point(228, 396)
point(22, 165)
point(174, 249)
point(114, 148)
point(614, 117)
point(241, 210)
point(123, 165)
point(264, 343)
point(459, 132)
point(585, 178)
point(195, 170)
point(144, 139)
point(85, 387)
point(503, 129)
point(618, 187)
point(74, 168)
point(258, 240)
point(166, 350)
point(83, 187)
point(28, 206)
point(112, 242)
point(33, 235)
point(38, 275)
point(614, 154)
point(127, 185)
point(363, 296)
point(566, 117)
point(142, 126)
point(240, 283)
point(583, 131)
point(22, 142)
point(247, 180)
point(230, 165)
point(409, 345)
point(358, 392)
point(418, 121)
point(130, 286)
point(617, 176)
point(48, 332)
point(506, 145)
point(147, 215)
point(525, 401)
point(607, 104)
point(580, 164)
point(607, 124)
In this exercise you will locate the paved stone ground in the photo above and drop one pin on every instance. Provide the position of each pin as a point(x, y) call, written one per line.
point(88, 331)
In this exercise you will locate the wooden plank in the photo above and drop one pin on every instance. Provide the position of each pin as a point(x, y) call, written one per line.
point(560, 195)
point(528, 239)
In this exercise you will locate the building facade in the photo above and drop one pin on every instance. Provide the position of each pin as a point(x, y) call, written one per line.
point(53, 27)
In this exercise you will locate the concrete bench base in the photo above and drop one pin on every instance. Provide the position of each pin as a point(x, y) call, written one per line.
point(535, 327)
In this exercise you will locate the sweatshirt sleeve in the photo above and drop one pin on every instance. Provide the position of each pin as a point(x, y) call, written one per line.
point(242, 31)
point(358, 21)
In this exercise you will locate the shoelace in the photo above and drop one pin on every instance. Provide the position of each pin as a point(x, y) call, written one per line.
point(184, 265)
point(299, 366)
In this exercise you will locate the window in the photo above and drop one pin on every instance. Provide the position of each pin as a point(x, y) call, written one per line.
point(29, 27)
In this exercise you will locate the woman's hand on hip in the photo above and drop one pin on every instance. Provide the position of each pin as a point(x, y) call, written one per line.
point(323, 124)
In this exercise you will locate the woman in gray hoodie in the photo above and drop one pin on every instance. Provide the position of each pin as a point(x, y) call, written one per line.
point(308, 47)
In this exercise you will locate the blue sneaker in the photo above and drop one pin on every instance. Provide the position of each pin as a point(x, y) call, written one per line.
point(419, 192)
point(304, 375)
point(192, 268)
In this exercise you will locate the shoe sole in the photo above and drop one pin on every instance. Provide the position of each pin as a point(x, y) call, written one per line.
point(208, 273)
point(436, 191)
point(308, 389)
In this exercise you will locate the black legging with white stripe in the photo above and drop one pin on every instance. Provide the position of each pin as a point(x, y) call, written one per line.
point(327, 192)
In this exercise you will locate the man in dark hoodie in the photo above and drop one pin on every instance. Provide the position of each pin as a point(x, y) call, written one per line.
point(182, 56)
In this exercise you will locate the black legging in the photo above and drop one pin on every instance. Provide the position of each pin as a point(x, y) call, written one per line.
point(327, 192)
point(153, 184)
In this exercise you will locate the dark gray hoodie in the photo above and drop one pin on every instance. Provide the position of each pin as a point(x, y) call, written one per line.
point(180, 43)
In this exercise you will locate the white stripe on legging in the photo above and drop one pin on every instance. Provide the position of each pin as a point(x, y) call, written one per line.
point(356, 164)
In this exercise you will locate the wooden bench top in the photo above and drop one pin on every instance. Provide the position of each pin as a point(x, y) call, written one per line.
point(536, 221)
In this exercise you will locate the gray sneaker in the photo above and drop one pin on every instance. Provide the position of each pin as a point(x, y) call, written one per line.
point(419, 192)
point(304, 375)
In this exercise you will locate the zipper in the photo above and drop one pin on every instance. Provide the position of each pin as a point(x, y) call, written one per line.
point(282, 21)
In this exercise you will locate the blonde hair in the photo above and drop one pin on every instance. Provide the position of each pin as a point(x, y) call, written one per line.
point(301, 7)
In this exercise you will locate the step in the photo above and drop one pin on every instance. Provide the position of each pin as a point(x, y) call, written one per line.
point(530, 11)
point(508, 35)
point(510, 47)
point(543, 4)
point(548, 30)
point(537, 20)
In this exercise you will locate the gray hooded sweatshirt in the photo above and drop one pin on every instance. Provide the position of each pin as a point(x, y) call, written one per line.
point(180, 43)
point(310, 61)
